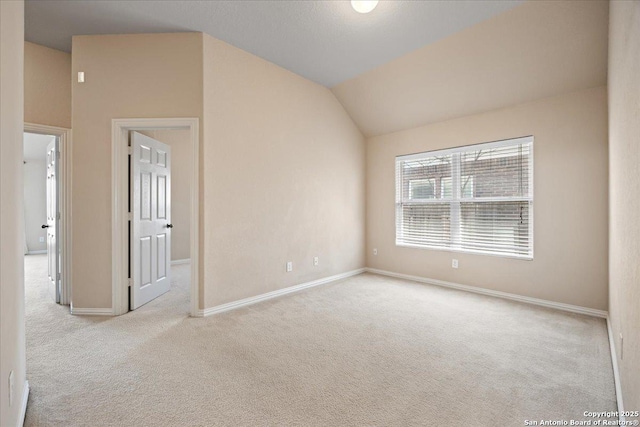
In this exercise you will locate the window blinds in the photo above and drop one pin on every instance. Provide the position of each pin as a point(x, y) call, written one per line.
point(477, 198)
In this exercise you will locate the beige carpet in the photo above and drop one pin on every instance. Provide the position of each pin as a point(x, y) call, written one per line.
point(367, 351)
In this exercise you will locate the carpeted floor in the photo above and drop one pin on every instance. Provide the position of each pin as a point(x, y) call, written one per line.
point(366, 351)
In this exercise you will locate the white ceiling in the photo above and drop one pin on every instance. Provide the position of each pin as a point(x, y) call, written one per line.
point(324, 41)
point(35, 146)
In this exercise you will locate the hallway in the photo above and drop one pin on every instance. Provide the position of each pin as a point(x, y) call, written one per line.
point(77, 362)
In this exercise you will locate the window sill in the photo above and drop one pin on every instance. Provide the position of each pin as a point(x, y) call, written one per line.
point(466, 251)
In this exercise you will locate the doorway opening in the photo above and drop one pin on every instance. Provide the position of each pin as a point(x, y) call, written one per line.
point(47, 198)
point(155, 165)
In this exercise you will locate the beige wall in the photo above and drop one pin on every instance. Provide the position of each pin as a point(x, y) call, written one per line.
point(142, 75)
point(269, 138)
point(570, 200)
point(12, 333)
point(47, 86)
point(180, 142)
point(35, 203)
point(533, 51)
point(283, 178)
point(624, 187)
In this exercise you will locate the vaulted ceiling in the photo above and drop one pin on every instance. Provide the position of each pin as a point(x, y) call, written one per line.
point(325, 41)
point(406, 64)
point(536, 50)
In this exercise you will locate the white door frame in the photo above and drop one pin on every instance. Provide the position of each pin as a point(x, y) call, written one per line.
point(64, 201)
point(120, 200)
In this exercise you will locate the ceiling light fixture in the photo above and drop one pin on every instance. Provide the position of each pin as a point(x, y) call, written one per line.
point(364, 6)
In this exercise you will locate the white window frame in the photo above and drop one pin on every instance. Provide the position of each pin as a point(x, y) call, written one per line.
point(456, 197)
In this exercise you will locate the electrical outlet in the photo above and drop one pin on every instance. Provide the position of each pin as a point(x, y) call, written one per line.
point(41, 239)
point(375, 251)
point(289, 266)
point(621, 346)
point(315, 260)
point(11, 388)
point(454, 263)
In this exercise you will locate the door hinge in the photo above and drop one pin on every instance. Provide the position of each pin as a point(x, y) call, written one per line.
point(130, 148)
point(130, 216)
point(59, 216)
point(59, 275)
point(130, 282)
point(58, 155)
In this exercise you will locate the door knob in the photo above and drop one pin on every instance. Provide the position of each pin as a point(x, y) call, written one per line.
point(45, 226)
point(169, 225)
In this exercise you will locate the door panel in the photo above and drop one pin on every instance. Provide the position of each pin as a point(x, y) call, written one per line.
point(161, 157)
point(53, 266)
point(145, 193)
point(162, 255)
point(162, 199)
point(151, 219)
point(145, 261)
point(145, 154)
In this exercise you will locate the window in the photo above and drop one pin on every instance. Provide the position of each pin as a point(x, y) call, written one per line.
point(466, 190)
point(422, 188)
point(477, 198)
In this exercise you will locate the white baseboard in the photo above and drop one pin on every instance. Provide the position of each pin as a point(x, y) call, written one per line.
point(181, 261)
point(280, 292)
point(499, 294)
point(616, 372)
point(91, 311)
point(23, 406)
point(44, 251)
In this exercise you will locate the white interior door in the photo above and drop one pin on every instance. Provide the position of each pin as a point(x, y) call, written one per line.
point(150, 243)
point(52, 221)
